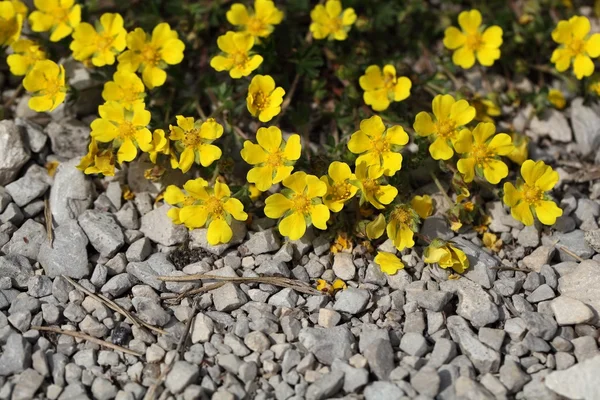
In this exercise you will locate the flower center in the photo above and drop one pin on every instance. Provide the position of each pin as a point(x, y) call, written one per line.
point(370, 185)
point(260, 100)
point(480, 152)
point(191, 138)
point(61, 14)
point(104, 41)
point(275, 159)
point(380, 145)
point(53, 86)
point(400, 216)
point(474, 41)
point(214, 207)
point(188, 201)
point(341, 191)
point(150, 55)
point(129, 94)
point(255, 25)
point(532, 194)
point(240, 59)
point(577, 46)
point(389, 81)
point(301, 203)
point(126, 130)
point(445, 128)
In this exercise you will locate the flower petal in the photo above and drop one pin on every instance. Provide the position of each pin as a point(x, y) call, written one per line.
point(440, 150)
point(276, 205)
point(293, 226)
point(547, 212)
point(319, 215)
point(218, 232)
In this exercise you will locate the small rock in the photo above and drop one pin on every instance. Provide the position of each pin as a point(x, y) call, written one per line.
point(158, 227)
point(351, 301)
point(71, 193)
point(592, 238)
point(569, 311)
point(474, 303)
point(14, 152)
point(538, 257)
point(69, 137)
point(16, 356)
point(577, 382)
point(26, 241)
point(284, 298)
point(466, 388)
point(492, 337)
point(443, 352)
point(436, 227)
point(582, 284)
point(198, 238)
point(585, 126)
point(202, 329)
point(343, 266)
point(433, 300)
point(529, 237)
point(426, 382)
point(102, 389)
point(414, 344)
point(383, 391)
point(542, 293)
point(104, 233)
point(328, 344)
point(484, 359)
point(512, 376)
point(17, 268)
point(26, 189)
point(328, 318)
point(540, 325)
point(553, 123)
point(574, 243)
point(380, 357)
point(228, 297)
point(326, 386)
point(181, 375)
point(262, 242)
point(117, 285)
point(257, 341)
point(28, 383)
point(67, 254)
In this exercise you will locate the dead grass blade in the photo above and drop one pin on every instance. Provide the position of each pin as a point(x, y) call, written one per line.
point(115, 307)
point(177, 298)
point(297, 285)
point(89, 338)
point(48, 218)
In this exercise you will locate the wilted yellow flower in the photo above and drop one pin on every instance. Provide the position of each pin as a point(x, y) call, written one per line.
point(59, 17)
point(11, 23)
point(203, 205)
point(161, 145)
point(101, 45)
point(383, 87)
point(575, 46)
point(125, 88)
point(150, 54)
point(557, 99)
point(127, 129)
point(402, 224)
point(26, 54)
point(481, 150)
point(258, 22)
point(492, 242)
point(471, 43)
point(450, 115)
point(446, 256)
point(340, 187)
point(264, 99)
point(127, 193)
point(423, 205)
point(388, 262)
point(97, 161)
point(371, 188)
point(330, 289)
point(521, 151)
point(330, 21)
point(193, 140)
point(529, 197)
point(46, 83)
point(341, 244)
point(238, 58)
point(377, 146)
point(376, 227)
point(273, 158)
point(51, 167)
point(485, 109)
point(299, 206)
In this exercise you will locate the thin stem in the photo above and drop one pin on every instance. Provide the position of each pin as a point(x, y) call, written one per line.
point(441, 188)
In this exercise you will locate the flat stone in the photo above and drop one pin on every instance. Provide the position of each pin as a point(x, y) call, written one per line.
point(512, 376)
point(105, 235)
point(328, 344)
point(328, 318)
point(262, 242)
point(26, 189)
point(540, 325)
point(380, 357)
point(443, 352)
point(542, 293)
point(14, 152)
point(351, 300)
point(577, 382)
point(326, 386)
point(150, 311)
point(466, 388)
point(569, 311)
point(574, 243)
point(67, 254)
point(426, 382)
point(16, 356)
point(343, 266)
point(17, 268)
point(383, 391)
point(538, 258)
point(69, 137)
point(484, 359)
point(26, 241)
point(552, 123)
point(147, 271)
point(103, 389)
point(585, 126)
point(414, 344)
point(529, 236)
point(181, 375)
point(158, 227)
point(481, 264)
point(433, 300)
point(71, 193)
point(436, 227)
point(228, 297)
point(474, 303)
point(582, 284)
point(28, 383)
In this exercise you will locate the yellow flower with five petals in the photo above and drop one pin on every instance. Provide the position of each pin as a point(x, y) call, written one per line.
point(193, 139)
point(481, 149)
point(330, 21)
point(125, 88)
point(383, 87)
point(46, 83)
point(264, 99)
point(446, 255)
point(449, 115)
point(388, 262)
point(402, 224)
point(340, 186)
point(237, 58)
point(101, 45)
point(377, 146)
point(371, 188)
point(273, 158)
point(194, 193)
point(575, 46)
point(299, 205)
point(59, 17)
point(258, 22)
point(126, 129)
point(26, 54)
point(471, 43)
point(529, 196)
point(151, 53)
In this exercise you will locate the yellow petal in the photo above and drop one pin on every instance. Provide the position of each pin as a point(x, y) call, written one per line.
point(208, 154)
point(174, 195)
point(373, 126)
point(218, 232)
point(492, 37)
point(521, 212)
point(494, 171)
point(470, 21)
point(442, 106)
point(236, 209)
point(423, 205)
point(293, 149)
point(293, 226)
point(339, 171)
point(269, 138)
point(388, 263)
point(127, 152)
point(583, 66)
point(464, 57)
point(466, 166)
point(319, 215)
point(440, 150)
point(359, 142)
point(376, 227)
point(252, 153)
point(193, 216)
point(237, 14)
point(511, 195)
point(276, 205)
point(547, 212)
point(454, 38)
point(424, 125)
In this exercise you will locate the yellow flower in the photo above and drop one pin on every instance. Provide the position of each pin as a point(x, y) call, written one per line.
point(446, 256)
point(340, 188)
point(450, 115)
point(59, 17)
point(402, 224)
point(423, 205)
point(371, 188)
point(485, 109)
point(299, 206)
point(254, 192)
point(149, 54)
point(161, 145)
point(238, 59)
point(125, 88)
point(194, 141)
point(378, 147)
point(381, 88)
point(388, 263)
point(342, 244)
point(127, 193)
point(376, 227)
point(520, 152)
point(471, 43)
point(330, 21)
point(20, 8)
point(330, 289)
point(575, 46)
point(595, 87)
point(125, 129)
point(213, 207)
point(259, 23)
point(481, 149)
point(96, 161)
point(529, 197)
point(100, 46)
point(556, 98)
point(264, 99)
point(11, 23)
point(273, 158)
point(26, 54)
point(492, 242)
point(46, 83)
